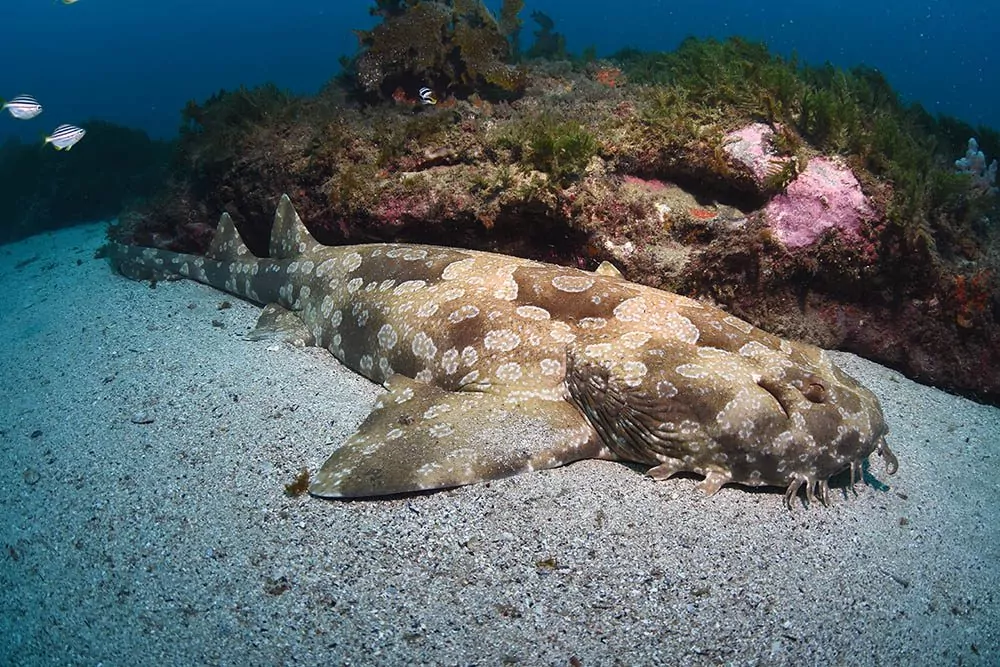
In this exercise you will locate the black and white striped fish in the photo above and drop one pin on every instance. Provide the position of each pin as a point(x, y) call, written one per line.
point(427, 96)
point(65, 137)
point(23, 107)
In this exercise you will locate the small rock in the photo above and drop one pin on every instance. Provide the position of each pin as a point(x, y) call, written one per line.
point(31, 476)
point(142, 417)
point(276, 585)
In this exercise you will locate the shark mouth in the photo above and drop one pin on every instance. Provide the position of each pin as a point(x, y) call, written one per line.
point(819, 489)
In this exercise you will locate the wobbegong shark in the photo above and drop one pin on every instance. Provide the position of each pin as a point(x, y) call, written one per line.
point(473, 347)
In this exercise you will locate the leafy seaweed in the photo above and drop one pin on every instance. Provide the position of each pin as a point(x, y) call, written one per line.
point(454, 45)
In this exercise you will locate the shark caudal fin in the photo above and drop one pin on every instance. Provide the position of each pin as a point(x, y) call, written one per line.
point(421, 437)
point(228, 257)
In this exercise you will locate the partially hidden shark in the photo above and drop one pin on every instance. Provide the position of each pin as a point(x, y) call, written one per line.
point(497, 365)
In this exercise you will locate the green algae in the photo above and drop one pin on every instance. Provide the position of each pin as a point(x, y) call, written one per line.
point(561, 148)
point(852, 112)
point(214, 130)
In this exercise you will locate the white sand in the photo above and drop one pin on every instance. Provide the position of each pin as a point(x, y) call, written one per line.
point(172, 542)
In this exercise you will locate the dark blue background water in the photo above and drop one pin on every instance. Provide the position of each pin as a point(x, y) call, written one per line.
point(137, 62)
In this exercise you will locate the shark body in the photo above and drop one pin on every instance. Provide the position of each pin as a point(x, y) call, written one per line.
point(474, 346)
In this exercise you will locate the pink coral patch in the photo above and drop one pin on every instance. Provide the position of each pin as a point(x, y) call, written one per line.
point(648, 184)
point(824, 196)
point(751, 147)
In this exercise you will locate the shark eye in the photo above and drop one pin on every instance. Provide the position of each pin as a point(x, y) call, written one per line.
point(815, 392)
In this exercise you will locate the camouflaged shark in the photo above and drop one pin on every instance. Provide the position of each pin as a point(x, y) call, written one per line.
point(474, 347)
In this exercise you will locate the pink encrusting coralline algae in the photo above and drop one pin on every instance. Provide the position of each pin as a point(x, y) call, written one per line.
point(825, 195)
point(751, 147)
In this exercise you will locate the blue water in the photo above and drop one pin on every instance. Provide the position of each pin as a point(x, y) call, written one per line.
point(137, 63)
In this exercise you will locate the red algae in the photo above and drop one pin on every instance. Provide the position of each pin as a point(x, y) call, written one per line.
point(702, 213)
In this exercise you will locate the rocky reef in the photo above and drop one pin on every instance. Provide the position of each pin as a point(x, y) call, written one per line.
point(811, 201)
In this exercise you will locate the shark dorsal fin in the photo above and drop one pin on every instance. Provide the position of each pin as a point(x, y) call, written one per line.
point(227, 244)
point(289, 237)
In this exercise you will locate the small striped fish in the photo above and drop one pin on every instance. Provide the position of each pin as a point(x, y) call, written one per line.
point(23, 106)
point(65, 137)
point(427, 96)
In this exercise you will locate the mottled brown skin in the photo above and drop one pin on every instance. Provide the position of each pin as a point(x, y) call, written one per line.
point(476, 347)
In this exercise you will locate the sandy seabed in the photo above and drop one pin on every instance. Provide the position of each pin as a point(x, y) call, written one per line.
point(172, 542)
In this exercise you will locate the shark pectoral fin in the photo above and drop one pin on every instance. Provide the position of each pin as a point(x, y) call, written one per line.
point(666, 469)
point(713, 481)
point(277, 323)
point(420, 437)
